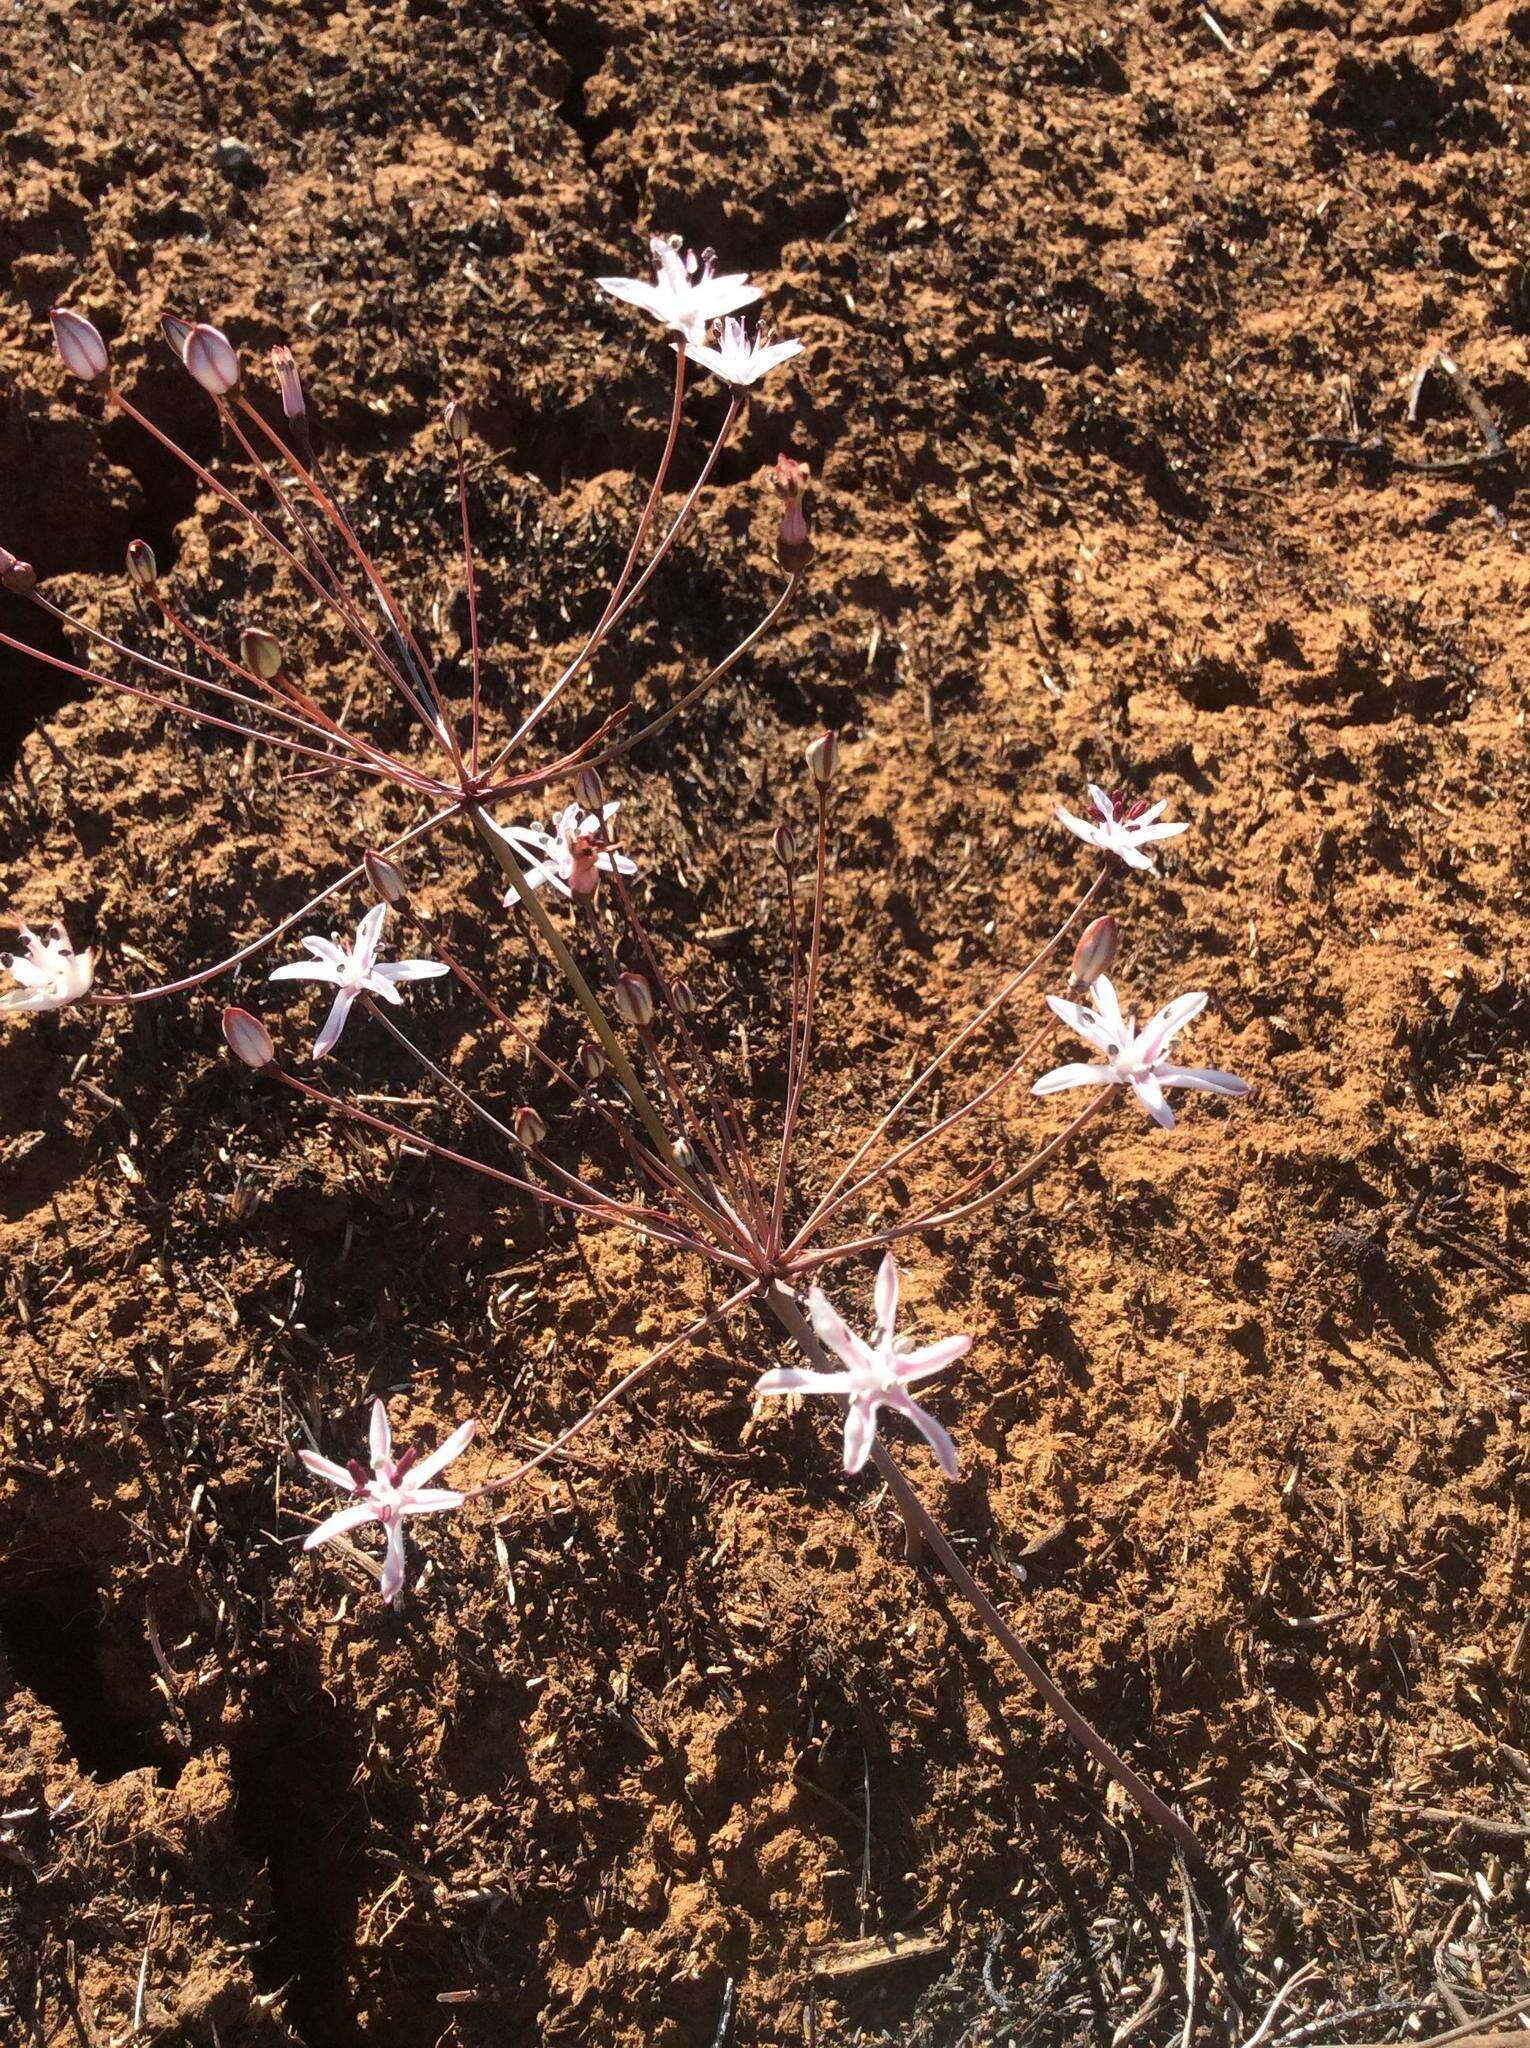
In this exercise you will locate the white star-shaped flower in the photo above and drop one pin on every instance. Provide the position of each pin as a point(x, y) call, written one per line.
point(573, 856)
point(738, 360)
point(877, 1375)
point(1134, 1058)
point(1123, 828)
point(397, 1488)
point(50, 975)
point(685, 294)
point(354, 971)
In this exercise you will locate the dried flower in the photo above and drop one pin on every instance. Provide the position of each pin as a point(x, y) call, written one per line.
point(398, 1488)
point(1134, 1058)
point(50, 975)
point(248, 1039)
point(1124, 829)
point(212, 359)
point(822, 757)
point(634, 1000)
point(685, 294)
point(1095, 953)
point(738, 360)
point(354, 971)
point(573, 857)
point(285, 365)
point(81, 347)
point(877, 1375)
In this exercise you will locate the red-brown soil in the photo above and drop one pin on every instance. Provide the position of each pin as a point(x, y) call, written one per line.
point(1078, 283)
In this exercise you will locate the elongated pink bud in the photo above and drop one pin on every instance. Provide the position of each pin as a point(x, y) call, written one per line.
point(684, 995)
point(285, 366)
point(783, 844)
point(177, 333)
point(591, 1061)
point(1095, 953)
point(590, 790)
point(386, 878)
point(456, 421)
point(823, 758)
point(212, 359)
point(81, 347)
point(20, 578)
point(248, 1039)
point(528, 1128)
point(261, 653)
point(634, 999)
point(142, 569)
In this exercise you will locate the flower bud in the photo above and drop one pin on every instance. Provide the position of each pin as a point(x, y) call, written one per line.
point(783, 844)
point(142, 569)
point(684, 996)
point(20, 578)
point(591, 1061)
point(634, 1000)
point(261, 653)
point(212, 359)
point(823, 758)
point(176, 333)
point(527, 1128)
point(81, 347)
point(248, 1039)
point(285, 366)
point(590, 790)
point(386, 878)
point(685, 1155)
point(794, 546)
point(458, 426)
point(1095, 953)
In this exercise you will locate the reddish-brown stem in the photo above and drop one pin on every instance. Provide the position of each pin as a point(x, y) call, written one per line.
point(809, 1262)
point(798, 1080)
point(471, 581)
point(968, 1031)
point(614, 1394)
point(917, 1518)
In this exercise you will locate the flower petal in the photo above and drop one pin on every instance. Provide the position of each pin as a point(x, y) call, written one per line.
point(379, 1433)
point(1077, 1075)
point(1159, 1029)
point(393, 1563)
point(1086, 1023)
point(860, 1433)
point(431, 1500)
point(410, 970)
point(831, 1328)
point(302, 970)
point(326, 1468)
point(340, 1523)
point(937, 1439)
point(797, 1379)
point(444, 1453)
point(917, 1365)
point(369, 936)
point(334, 1023)
point(1108, 1008)
point(1210, 1078)
point(887, 1296)
point(1150, 1094)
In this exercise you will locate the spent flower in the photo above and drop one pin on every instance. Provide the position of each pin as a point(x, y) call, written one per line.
point(1133, 1058)
point(399, 1487)
point(574, 855)
point(878, 1373)
point(354, 971)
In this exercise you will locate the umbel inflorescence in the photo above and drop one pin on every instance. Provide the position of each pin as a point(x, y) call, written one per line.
point(637, 1120)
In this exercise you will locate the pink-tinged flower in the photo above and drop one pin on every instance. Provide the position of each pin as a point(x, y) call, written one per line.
point(738, 360)
point(1123, 828)
point(81, 347)
point(291, 384)
point(877, 1375)
point(50, 975)
point(685, 294)
point(212, 359)
point(1134, 1058)
point(354, 971)
point(571, 856)
point(398, 1488)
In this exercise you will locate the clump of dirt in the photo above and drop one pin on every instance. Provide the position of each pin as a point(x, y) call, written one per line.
point(1091, 300)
